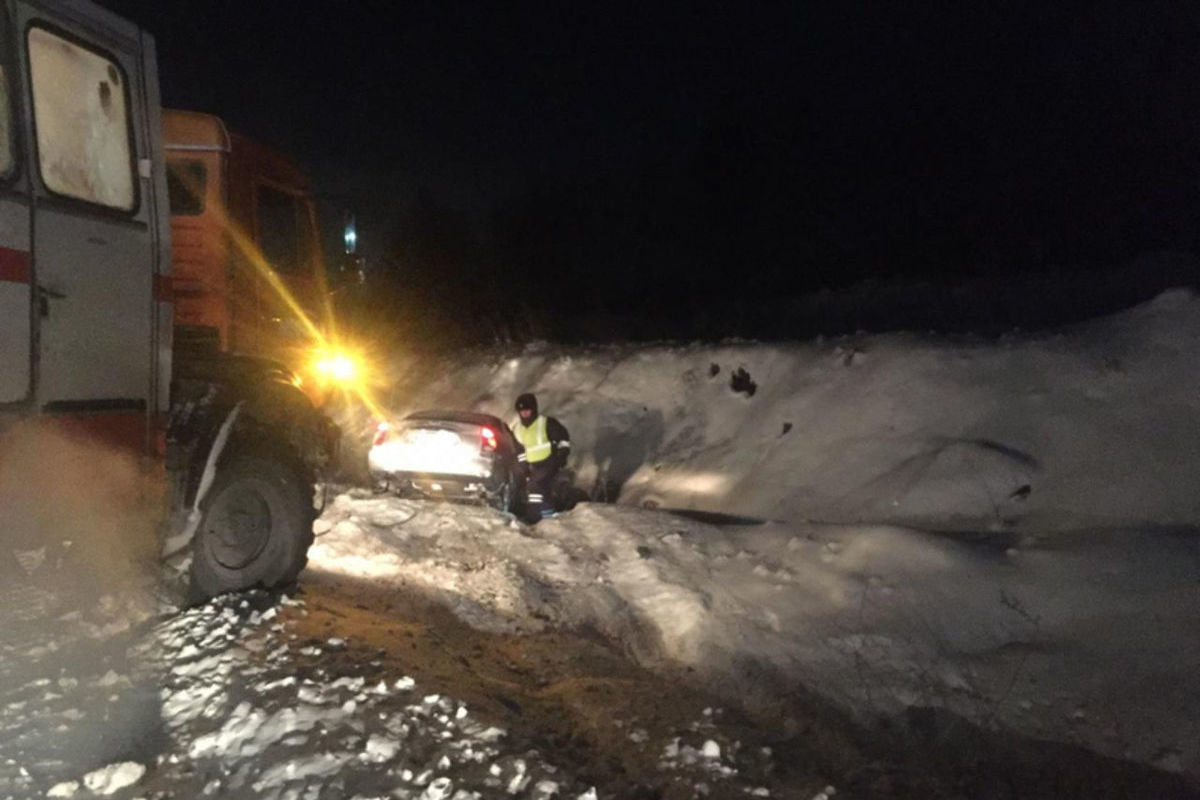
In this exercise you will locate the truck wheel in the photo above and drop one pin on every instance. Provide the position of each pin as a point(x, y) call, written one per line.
point(256, 528)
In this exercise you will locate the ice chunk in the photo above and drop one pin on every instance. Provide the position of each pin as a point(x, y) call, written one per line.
point(64, 789)
point(379, 750)
point(290, 680)
point(311, 695)
point(352, 684)
point(318, 766)
point(114, 777)
point(545, 790)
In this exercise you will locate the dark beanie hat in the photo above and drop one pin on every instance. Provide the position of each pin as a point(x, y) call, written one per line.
point(527, 400)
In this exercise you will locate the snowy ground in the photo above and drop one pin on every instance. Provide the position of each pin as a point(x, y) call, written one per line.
point(252, 712)
point(1088, 640)
point(1005, 530)
point(229, 700)
point(232, 706)
point(1059, 598)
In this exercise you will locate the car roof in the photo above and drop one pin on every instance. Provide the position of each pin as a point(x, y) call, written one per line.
point(465, 417)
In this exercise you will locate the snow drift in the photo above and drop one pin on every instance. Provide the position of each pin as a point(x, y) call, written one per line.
point(1091, 426)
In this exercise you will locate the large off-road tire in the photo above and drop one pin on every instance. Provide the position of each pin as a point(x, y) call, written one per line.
point(256, 528)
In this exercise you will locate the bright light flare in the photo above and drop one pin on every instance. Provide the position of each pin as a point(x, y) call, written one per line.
point(336, 367)
point(246, 246)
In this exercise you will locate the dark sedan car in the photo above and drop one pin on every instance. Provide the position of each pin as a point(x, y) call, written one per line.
point(452, 455)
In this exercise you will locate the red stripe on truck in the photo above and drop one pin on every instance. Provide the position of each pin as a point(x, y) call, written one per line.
point(124, 431)
point(14, 265)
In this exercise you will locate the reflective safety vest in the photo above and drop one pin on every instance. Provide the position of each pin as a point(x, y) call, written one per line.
point(534, 438)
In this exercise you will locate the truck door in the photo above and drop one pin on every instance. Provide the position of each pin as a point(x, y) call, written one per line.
point(16, 356)
point(94, 246)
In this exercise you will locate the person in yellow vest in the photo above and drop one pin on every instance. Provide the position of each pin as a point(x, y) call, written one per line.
point(547, 445)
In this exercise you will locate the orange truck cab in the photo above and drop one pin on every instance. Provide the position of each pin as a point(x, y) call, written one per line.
point(247, 268)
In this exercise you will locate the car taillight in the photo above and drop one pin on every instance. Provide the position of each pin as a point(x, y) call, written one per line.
point(489, 438)
point(381, 433)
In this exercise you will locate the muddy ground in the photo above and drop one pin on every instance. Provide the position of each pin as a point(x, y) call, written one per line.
point(577, 698)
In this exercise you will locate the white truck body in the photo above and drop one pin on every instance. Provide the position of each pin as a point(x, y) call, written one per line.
point(84, 301)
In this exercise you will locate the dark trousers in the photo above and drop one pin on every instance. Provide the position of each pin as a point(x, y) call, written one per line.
point(541, 481)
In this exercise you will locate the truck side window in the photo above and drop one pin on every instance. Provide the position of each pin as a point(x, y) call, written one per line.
point(278, 230)
point(186, 181)
point(82, 120)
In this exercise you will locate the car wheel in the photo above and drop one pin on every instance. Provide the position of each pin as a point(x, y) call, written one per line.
point(255, 530)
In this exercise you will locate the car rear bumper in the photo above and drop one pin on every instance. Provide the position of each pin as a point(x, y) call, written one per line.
point(434, 485)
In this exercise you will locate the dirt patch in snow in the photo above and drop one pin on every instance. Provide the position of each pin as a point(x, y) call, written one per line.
point(615, 725)
point(574, 696)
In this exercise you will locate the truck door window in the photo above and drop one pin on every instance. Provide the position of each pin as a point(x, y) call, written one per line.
point(186, 182)
point(278, 229)
point(81, 116)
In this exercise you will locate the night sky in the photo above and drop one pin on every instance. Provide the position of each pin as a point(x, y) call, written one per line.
point(613, 159)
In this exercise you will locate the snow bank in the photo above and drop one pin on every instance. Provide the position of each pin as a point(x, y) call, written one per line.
point(1093, 426)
